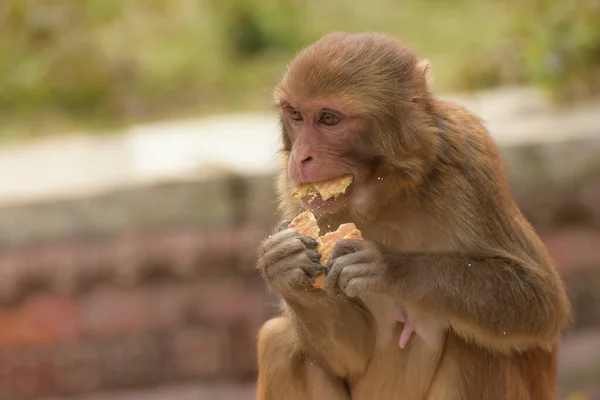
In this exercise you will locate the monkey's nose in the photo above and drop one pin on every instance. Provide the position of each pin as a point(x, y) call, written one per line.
point(307, 160)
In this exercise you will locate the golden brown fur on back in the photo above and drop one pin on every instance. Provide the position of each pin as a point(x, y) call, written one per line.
point(443, 240)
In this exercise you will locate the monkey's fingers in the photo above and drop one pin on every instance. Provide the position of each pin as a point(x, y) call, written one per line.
point(299, 262)
point(284, 225)
point(344, 247)
point(340, 273)
point(353, 272)
point(279, 251)
point(360, 257)
point(282, 238)
point(316, 270)
point(309, 242)
point(356, 286)
point(314, 256)
point(294, 280)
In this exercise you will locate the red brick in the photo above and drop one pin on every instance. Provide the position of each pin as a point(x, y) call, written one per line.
point(134, 360)
point(12, 268)
point(77, 368)
point(167, 303)
point(590, 196)
point(200, 352)
point(60, 268)
point(221, 301)
point(109, 310)
point(182, 251)
point(242, 349)
point(128, 254)
point(41, 319)
point(226, 300)
point(573, 249)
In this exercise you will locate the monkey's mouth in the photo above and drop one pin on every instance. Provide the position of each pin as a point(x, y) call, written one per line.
point(325, 193)
point(317, 204)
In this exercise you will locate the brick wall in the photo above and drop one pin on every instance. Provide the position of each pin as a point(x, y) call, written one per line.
point(166, 327)
point(158, 325)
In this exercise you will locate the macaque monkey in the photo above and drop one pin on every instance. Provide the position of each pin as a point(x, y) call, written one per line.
point(445, 251)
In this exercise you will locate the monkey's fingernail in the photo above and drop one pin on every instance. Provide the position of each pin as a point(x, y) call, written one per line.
point(329, 264)
point(319, 268)
point(284, 225)
point(314, 255)
point(309, 242)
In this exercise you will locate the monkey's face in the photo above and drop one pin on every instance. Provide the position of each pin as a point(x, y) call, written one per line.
point(355, 104)
point(322, 141)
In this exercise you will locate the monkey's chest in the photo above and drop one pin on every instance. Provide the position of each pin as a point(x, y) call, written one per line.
point(395, 373)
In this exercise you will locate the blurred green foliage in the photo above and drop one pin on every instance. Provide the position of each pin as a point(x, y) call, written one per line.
point(561, 50)
point(552, 44)
point(90, 64)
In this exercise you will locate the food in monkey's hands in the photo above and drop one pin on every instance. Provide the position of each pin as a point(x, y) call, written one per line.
point(327, 241)
point(306, 224)
point(330, 188)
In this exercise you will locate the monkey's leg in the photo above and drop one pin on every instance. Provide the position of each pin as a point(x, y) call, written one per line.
point(285, 374)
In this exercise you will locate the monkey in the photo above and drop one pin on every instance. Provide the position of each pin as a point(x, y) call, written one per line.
point(444, 243)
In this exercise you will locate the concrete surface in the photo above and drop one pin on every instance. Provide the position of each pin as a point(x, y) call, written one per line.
point(246, 143)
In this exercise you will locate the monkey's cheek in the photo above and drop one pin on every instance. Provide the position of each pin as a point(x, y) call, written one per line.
point(361, 200)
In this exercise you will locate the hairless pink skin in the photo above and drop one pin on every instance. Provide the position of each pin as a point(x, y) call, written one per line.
point(430, 330)
point(407, 329)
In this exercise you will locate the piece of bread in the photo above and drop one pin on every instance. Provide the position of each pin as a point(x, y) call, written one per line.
point(327, 242)
point(306, 224)
point(307, 190)
point(326, 189)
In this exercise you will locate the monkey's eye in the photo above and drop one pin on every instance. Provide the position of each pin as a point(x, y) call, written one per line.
point(295, 114)
point(329, 119)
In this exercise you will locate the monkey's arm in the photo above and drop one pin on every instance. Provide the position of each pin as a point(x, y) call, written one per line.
point(498, 302)
point(289, 262)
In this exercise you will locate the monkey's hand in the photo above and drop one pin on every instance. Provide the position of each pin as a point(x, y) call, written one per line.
point(357, 266)
point(288, 261)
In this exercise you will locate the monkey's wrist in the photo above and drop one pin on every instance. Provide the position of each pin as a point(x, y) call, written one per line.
point(399, 269)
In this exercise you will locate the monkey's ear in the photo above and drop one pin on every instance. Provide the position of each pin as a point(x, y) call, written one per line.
point(424, 73)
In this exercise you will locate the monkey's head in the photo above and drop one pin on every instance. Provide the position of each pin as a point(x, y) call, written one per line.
point(355, 104)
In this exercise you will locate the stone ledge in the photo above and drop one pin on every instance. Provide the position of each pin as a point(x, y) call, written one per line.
point(71, 267)
point(226, 201)
point(554, 183)
point(189, 173)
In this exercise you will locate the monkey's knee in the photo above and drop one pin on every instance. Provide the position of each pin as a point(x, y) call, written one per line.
point(279, 362)
point(283, 372)
point(277, 343)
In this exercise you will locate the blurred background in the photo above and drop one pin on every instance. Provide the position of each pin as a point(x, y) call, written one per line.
point(137, 154)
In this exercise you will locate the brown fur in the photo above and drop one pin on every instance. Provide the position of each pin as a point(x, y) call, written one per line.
point(456, 248)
